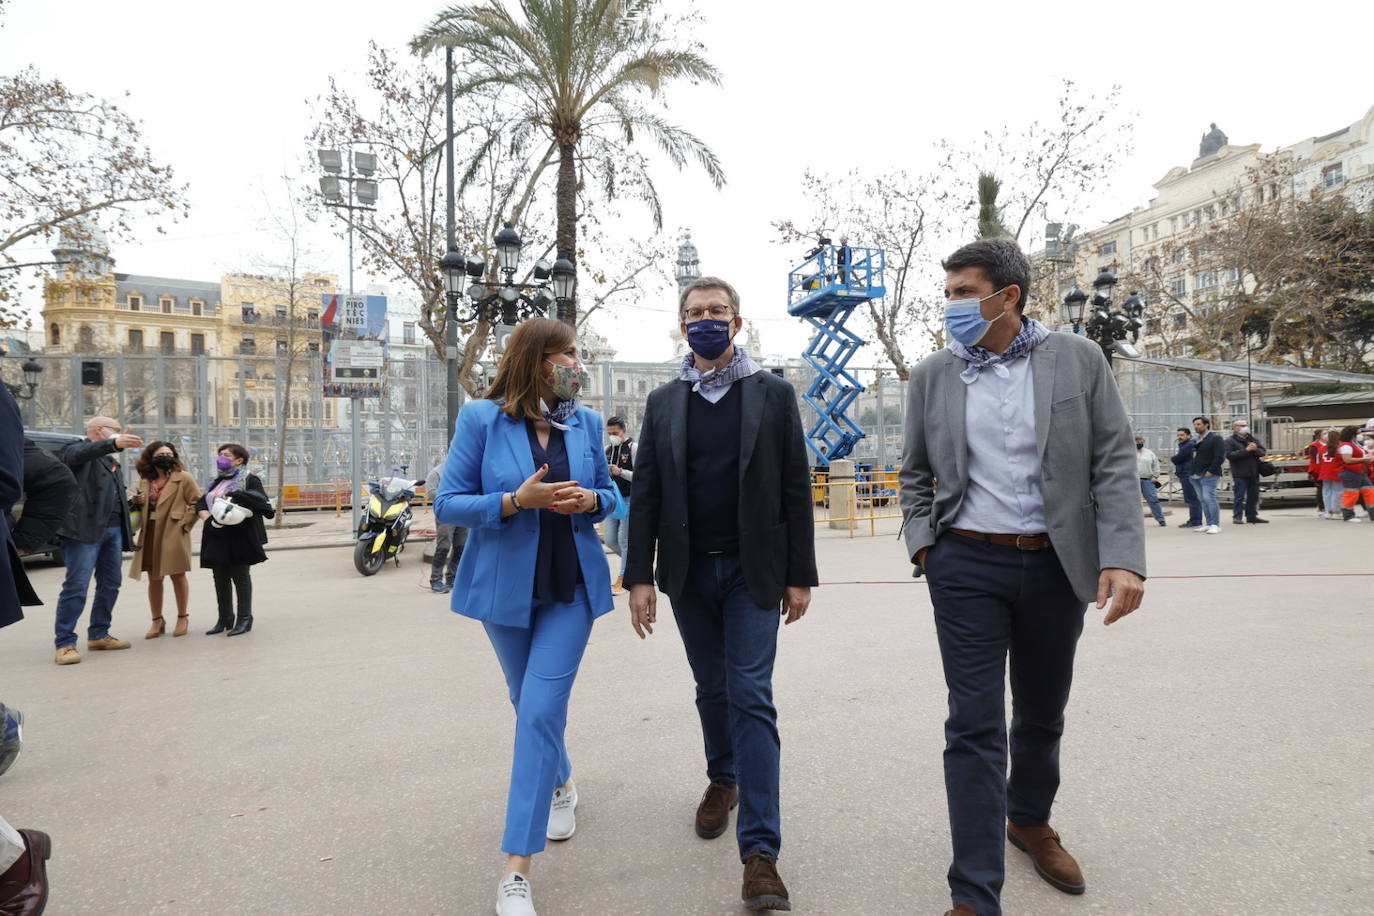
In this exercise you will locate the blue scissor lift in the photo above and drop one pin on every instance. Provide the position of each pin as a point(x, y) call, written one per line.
point(825, 290)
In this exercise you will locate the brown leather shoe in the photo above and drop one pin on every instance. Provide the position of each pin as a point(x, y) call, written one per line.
point(713, 814)
point(763, 889)
point(106, 642)
point(961, 909)
point(24, 888)
point(67, 655)
point(1052, 860)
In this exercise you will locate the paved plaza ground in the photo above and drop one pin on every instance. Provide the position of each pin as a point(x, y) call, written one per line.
point(350, 755)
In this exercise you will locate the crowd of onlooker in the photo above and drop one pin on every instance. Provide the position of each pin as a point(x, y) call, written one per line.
point(1340, 463)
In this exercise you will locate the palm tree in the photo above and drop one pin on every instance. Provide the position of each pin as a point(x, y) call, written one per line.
point(989, 214)
point(581, 69)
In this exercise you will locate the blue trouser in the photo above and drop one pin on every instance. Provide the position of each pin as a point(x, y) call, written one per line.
point(1190, 499)
point(540, 663)
point(1151, 494)
point(1331, 494)
point(731, 642)
point(1245, 495)
point(992, 601)
point(1207, 495)
point(104, 558)
point(618, 537)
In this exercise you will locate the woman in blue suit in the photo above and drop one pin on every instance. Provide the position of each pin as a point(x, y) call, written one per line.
point(525, 475)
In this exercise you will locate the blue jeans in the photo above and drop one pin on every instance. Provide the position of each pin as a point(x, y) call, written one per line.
point(1331, 495)
point(1207, 495)
point(105, 559)
point(1245, 495)
point(540, 663)
point(1190, 499)
point(994, 603)
point(618, 537)
point(731, 643)
point(1151, 494)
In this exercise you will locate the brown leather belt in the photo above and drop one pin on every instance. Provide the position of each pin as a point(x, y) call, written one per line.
point(1019, 541)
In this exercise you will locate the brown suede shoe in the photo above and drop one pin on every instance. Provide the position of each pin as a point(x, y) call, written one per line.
point(713, 814)
point(106, 642)
point(1052, 861)
point(961, 909)
point(763, 889)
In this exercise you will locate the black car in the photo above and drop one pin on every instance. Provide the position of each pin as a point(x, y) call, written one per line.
point(52, 442)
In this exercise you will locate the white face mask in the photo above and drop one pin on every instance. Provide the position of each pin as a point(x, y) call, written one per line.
point(1243, 430)
point(616, 440)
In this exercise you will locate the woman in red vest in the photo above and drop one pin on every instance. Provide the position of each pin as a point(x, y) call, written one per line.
point(1356, 486)
point(1329, 475)
point(1314, 451)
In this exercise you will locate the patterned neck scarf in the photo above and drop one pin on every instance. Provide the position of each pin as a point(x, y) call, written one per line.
point(228, 483)
point(739, 367)
point(978, 359)
point(560, 413)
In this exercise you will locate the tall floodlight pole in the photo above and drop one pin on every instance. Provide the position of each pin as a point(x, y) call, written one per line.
point(452, 261)
point(362, 189)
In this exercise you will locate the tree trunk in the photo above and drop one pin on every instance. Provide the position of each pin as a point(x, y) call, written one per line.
point(567, 221)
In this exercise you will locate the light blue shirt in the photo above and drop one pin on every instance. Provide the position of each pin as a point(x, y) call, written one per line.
point(1004, 490)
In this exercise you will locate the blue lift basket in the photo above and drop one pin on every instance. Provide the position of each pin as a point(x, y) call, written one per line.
point(825, 289)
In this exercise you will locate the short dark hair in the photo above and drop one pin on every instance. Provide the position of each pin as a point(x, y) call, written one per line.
point(238, 451)
point(1185, 430)
point(1002, 262)
point(707, 283)
point(1205, 422)
point(145, 467)
point(616, 421)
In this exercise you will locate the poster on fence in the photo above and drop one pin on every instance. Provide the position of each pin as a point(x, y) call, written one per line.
point(355, 345)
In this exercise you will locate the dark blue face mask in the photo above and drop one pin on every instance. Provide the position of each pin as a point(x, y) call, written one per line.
point(709, 338)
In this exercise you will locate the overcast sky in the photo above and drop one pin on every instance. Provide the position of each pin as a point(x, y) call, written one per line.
point(222, 90)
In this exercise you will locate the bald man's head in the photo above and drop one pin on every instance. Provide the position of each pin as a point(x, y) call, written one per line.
point(98, 428)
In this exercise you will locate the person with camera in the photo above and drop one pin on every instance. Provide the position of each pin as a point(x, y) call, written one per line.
point(94, 537)
point(166, 503)
point(233, 508)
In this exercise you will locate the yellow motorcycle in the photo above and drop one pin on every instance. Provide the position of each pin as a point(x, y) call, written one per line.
point(385, 523)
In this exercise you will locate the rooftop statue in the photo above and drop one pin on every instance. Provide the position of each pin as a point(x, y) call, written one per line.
point(1212, 141)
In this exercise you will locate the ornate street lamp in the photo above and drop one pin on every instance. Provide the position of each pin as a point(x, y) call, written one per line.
point(1106, 326)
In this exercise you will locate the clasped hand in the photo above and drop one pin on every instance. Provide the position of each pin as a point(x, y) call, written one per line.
point(565, 497)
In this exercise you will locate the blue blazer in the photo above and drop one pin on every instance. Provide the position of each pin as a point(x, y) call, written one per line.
point(489, 457)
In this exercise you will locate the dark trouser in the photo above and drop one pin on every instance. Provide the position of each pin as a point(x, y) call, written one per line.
point(104, 558)
point(1191, 500)
point(991, 601)
point(1245, 495)
point(448, 547)
point(731, 642)
point(239, 579)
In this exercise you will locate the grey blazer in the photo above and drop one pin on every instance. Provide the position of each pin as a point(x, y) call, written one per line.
point(1087, 458)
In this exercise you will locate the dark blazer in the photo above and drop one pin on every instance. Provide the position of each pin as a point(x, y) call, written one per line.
point(92, 464)
point(15, 591)
point(1183, 458)
point(1211, 449)
point(241, 544)
point(1244, 463)
point(49, 489)
point(776, 534)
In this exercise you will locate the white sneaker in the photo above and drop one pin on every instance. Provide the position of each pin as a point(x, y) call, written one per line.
point(1356, 519)
point(1213, 529)
point(514, 897)
point(1200, 529)
point(562, 813)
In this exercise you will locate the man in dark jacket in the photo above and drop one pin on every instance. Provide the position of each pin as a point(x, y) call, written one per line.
point(1244, 452)
point(1207, 473)
point(49, 488)
point(23, 853)
point(1183, 470)
point(94, 537)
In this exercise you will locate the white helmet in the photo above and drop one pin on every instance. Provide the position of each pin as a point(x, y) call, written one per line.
point(227, 512)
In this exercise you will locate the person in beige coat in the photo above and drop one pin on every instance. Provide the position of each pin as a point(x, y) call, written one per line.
point(166, 501)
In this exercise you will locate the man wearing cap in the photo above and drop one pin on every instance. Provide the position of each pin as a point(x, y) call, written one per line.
point(1020, 504)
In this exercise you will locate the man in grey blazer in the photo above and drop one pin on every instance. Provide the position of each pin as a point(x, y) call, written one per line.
point(1019, 504)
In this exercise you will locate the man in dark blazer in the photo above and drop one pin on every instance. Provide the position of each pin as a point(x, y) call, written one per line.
point(23, 853)
point(722, 492)
point(1020, 504)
